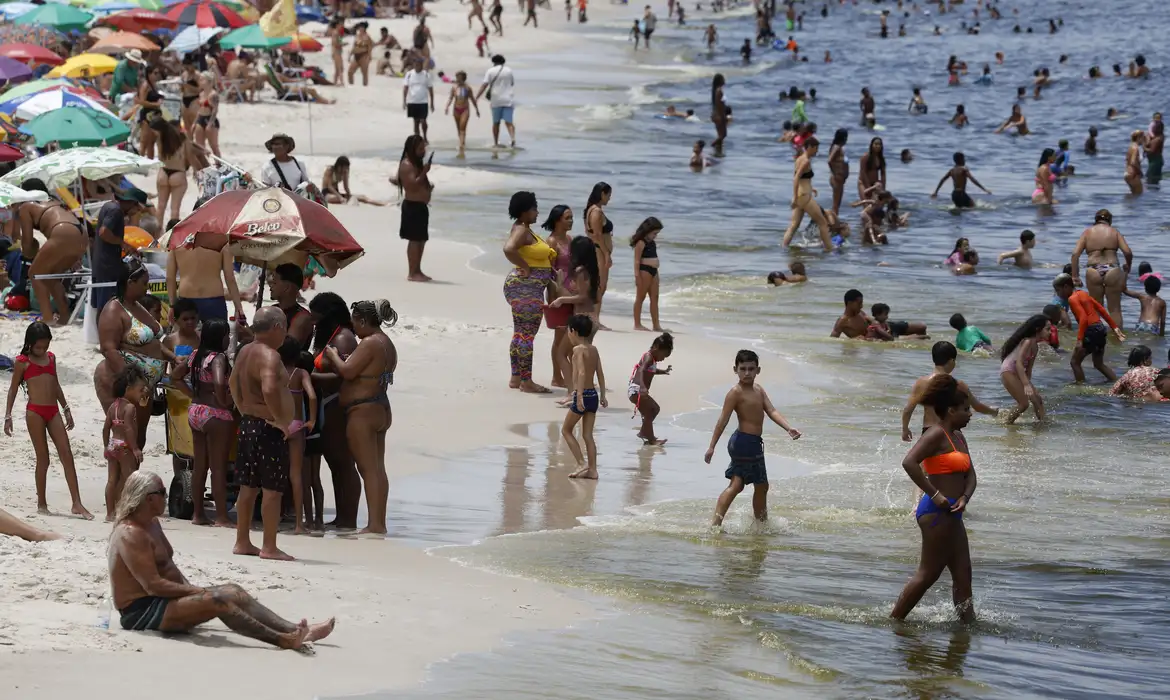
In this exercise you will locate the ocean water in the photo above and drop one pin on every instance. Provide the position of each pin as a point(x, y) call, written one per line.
point(1069, 529)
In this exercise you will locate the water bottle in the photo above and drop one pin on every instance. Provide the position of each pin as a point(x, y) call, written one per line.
point(232, 337)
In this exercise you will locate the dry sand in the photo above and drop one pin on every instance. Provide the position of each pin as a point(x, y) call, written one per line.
point(398, 608)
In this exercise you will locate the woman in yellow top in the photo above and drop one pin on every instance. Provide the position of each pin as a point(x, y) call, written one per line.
point(525, 286)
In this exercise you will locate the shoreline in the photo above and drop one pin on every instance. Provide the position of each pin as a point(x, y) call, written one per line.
point(419, 607)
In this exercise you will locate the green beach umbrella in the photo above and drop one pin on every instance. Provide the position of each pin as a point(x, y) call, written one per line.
point(252, 37)
point(97, 4)
point(33, 86)
point(61, 17)
point(77, 126)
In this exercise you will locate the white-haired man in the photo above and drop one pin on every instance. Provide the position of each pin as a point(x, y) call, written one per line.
point(151, 593)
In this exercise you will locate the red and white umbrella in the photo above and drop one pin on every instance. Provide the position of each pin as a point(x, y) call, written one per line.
point(268, 227)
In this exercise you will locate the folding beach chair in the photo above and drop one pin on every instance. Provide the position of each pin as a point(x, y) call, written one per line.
point(286, 90)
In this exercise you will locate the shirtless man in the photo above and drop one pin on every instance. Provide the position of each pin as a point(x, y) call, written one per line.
point(414, 227)
point(853, 323)
point(476, 11)
point(259, 385)
point(958, 176)
point(867, 106)
point(712, 37)
point(1022, 256)
point(241, 70)
point(944, 355)
point(151, 593)
point(1104, 279)
point(64, 246)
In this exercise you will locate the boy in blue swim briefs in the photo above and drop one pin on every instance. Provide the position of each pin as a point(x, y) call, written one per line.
point(746, 446)
point(587, 395)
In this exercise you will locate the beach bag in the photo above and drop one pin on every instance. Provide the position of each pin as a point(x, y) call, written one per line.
point(179, 503)
point(493, 82)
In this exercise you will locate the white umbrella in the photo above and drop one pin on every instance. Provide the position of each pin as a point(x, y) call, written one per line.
point(61, 168)
point(15, 9)
point(11, 194)
point(192, 38)
point(56, 99)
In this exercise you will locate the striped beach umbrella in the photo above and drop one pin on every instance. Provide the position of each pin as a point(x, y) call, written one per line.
point(139, 20)
point(202, 13)
point(52, 100)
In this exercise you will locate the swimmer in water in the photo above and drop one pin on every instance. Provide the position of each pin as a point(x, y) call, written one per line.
point(672, 112)
point(872, 216)
point(944, 355)
point(917, 103)
point(1041, 80)
point(1094, 72)
point(1063, 167)
point(698, 160)
point(796, 275)
point(881, 328)
point(1018, 355)
point(1112, 114)
point(712, 36)
point(853, 323)
point(998, 58)
point(967, 266)
point(1153, 314)
point(871, 170)
point(1016, 121)
point(1091, 142)
point(1021, 93)
point(1133, 161)
point(868, 108)
point(985, 78)
point(958, 176)
point(956, 256)
point(959, 120)
point(1044, 178)
point(828, 57)
point(1022, 256)
point(907, 156)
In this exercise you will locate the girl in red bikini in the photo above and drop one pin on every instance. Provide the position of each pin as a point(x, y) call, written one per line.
point(120, 433)
point(36, 370)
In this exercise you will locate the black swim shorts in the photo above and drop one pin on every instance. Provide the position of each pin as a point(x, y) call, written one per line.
point(416, 220)
point(262, 456)
point(1096, 336)
point(899, 328)
point(145, 613)
point(961, 199)
point(417, 110)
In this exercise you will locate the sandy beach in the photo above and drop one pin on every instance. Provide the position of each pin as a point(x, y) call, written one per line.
point(398, 609)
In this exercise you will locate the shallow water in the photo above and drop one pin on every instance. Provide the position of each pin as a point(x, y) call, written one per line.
point(1069, 532)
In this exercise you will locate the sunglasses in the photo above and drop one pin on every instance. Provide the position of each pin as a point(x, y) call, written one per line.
point(160, 492)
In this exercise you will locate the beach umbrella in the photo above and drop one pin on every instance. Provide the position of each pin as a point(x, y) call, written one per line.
point(267, 227)
point(252, 37)
point(44, 37)
point(302, 42)
point(122, 41)
point(119, 5)
point(51, 100)
point(192, 38)
point(31, 88)
point(62, 168)
point(13, 10)
point(202, 13)
point(27, 53)
point(61, 17)
point(8, 130)
point(10, 194)
point(13, 71)
point(77, 126)
point(308, 13)
point(10, 154)
point(84, 65)
point(138, 20)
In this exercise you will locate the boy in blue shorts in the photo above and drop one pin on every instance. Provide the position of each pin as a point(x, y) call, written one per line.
point(746, 446)
point(587, 395)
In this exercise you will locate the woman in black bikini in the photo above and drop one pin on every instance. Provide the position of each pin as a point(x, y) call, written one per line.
point(872, 168)
point(65, 244)
point(718, 113)
point(600, 229)
point(334, 329)
point(645, 248)
point(366, 376)
point(177, 153)
point(206, 132)
point(149, 103)
point(190, 90)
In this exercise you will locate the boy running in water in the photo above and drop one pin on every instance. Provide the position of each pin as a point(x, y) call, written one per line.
point(746, 446)
point(944, 355)
point(586, 396)
point(1092, 334)
point(639, 389)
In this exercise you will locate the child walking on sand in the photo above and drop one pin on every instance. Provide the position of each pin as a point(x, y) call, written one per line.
point(120, 434)
point(587, 395)
point(639, 390)
point(746, 446)
point(306, 491)
point(646, 271)
point(36, 369)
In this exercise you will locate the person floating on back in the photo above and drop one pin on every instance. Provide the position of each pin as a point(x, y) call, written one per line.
point(746, 446)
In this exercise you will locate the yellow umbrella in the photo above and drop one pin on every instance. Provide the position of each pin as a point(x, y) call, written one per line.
point(85, 65)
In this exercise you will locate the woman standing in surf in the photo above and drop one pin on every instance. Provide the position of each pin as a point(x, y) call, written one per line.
point(838, 168)
point(872, 168)
point(940, 464)
point(804, 196)
point(718, 113)
point(600, 230)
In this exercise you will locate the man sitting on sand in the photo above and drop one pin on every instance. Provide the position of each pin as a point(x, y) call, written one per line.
point(151, 593)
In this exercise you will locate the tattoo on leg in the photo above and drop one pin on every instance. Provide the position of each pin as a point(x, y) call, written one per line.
point(252, 607)
point(239, 621)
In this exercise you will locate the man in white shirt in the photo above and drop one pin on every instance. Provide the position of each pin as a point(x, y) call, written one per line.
point(283, 170)
point(499, 84)
point(417, 93)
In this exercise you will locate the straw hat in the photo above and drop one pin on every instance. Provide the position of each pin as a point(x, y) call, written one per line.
point(292, 145)
point(135, 56)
